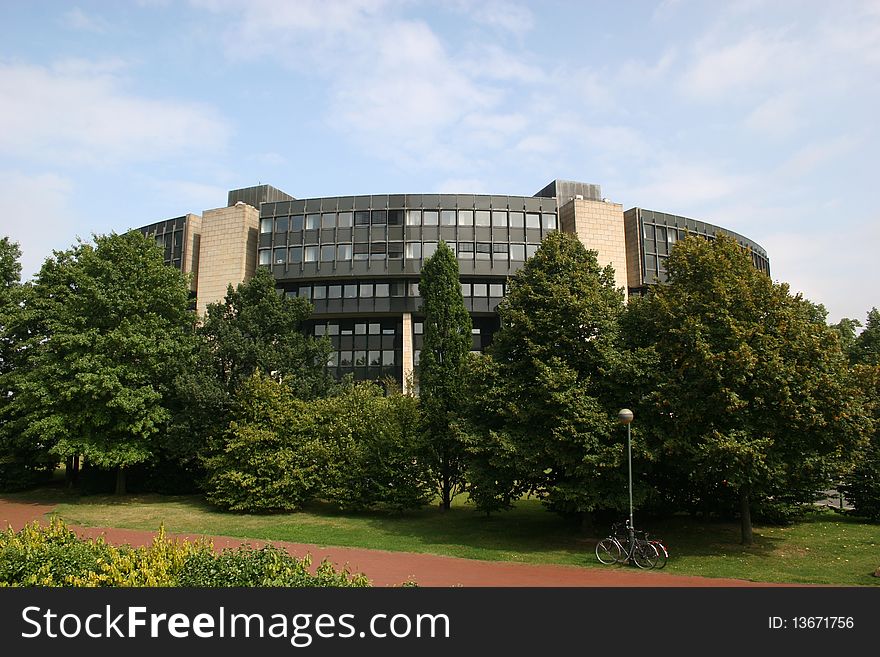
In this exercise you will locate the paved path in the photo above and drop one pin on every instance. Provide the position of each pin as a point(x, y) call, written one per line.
point(393, 568)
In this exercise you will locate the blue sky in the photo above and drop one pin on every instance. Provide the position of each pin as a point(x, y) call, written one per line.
point(760, 116)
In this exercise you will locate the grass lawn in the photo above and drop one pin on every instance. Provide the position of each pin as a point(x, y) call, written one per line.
point(826, 548)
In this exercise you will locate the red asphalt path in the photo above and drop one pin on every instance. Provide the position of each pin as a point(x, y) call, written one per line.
point(393, 568)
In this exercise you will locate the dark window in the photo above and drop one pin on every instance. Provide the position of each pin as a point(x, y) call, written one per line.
point(281, 224)
point(327, 252)
point(360, 358)
point(379, 218)
point(387, 357)
point(395, 217)
point(296, 254)
point(377, 250)
point(305, 292)
point(296, 222)
point(398, 289)
point(395, 249)
point(362, 218)
point(483, 250)
point(280, 256)
point(361, 251)
point(374, 357)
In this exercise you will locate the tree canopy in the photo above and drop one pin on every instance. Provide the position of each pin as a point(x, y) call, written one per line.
point(109, 332)
point(752, 393)
point(447, 342)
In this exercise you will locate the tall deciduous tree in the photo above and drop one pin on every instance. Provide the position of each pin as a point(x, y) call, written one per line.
point(22, 460)
point(114, 331)
point(447, 342)
point(753, 391)
point(557, 349)
point(866, 347)
point(253, 330)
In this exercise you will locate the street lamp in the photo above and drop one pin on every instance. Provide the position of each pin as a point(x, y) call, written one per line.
point(625, 416)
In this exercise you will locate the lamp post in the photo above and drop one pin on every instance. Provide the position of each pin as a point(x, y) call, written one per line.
point(625, 416)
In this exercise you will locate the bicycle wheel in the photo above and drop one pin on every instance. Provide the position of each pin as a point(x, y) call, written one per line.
point(662, 554)
point(607, 551)
point(645, 555)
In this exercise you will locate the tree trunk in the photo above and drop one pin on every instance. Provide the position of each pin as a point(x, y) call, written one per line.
point(74, 476)
point(745, 517)
point(446, 493)
point(68, 471)
point(120, 480)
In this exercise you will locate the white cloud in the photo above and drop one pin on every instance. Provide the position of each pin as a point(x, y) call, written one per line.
point(809, 261)
point(509, 16)
point(37, 214)
point(76, 113)
point(777, 117)
point(813, 156)
point(77, 19)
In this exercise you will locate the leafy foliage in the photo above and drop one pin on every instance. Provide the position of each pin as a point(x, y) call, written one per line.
point(752, 393)
point(556, 351)
point(447, 342)
point(254, 329)
point(109, 329)
point(356, 449)
point(862, 484)
point(55, 556)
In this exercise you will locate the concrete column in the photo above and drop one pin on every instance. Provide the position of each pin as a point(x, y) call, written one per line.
point(408, 367)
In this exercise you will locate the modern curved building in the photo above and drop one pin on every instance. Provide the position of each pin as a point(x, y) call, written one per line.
point(358, 258)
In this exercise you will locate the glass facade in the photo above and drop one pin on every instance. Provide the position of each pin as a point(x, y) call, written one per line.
point(357, 259)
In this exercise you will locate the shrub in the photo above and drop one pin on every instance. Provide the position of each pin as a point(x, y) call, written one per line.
point(55, 556)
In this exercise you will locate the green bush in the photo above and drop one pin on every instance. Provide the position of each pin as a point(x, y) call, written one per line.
point(356, 449)
point(55, 556)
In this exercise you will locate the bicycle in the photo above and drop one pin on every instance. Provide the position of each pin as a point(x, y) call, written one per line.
point(662, 552)
point(631, 548)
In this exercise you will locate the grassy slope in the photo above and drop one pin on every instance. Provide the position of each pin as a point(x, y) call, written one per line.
point(827, 548)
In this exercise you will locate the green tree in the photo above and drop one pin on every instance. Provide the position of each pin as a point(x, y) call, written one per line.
point(254, 329)
point(557, 350)
point(372, 449)
point(113, 333)
point(847, 333)
point(23, 461)
point(753, 391)
point(862, 484)
point(447, 342)
point(866, 347)
point(271, 458)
